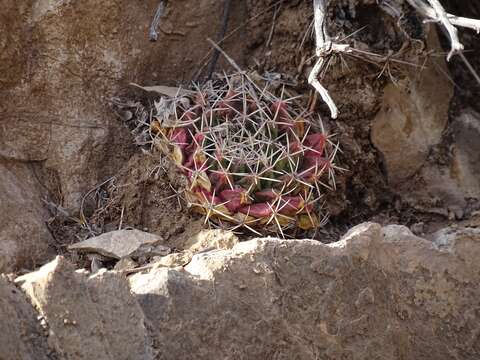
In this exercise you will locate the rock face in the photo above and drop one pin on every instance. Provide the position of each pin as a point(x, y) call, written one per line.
point(379, 293)
point(92, 317)
point(24, 238)
point(61, 60)
point(21, 336)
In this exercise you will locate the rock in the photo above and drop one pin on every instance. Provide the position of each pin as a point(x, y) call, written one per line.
point(125, 264)
point(123, 243)
point(418, 228)
point(412, 118)
point(211, 239)
point(63, 60)
point(458, 241)
point(92, 317)
point(24, 237)
point(96, 263)
point(22, 337)
point(456, 180)
point(465, 167)
point(174, 260)
point(378, 293)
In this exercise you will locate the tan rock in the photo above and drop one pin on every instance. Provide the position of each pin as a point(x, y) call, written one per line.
point(412, 118)
point(92, 317)
point(21, 337)
point(378, 293)
point(211, 239)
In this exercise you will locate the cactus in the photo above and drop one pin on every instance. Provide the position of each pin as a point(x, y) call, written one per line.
point(252, 160)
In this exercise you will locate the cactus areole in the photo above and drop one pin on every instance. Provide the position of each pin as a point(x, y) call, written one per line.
point(252, 160)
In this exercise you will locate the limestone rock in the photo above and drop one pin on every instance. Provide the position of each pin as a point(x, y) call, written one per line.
point(21, 336)
point(24, 237)
point(379, 293)
point(92, 317)
point(123, 243)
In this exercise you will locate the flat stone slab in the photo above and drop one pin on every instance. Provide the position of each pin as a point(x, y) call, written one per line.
point(122, 243)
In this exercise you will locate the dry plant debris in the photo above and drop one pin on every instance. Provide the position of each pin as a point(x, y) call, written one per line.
point(432, 10)
point(252, 160)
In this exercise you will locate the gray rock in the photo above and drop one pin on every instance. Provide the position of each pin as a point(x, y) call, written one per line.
point(21, 336)
point(123, 243)
point(379, 293)
point(92, 317)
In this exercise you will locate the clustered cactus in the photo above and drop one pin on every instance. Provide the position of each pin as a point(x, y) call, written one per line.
point(252, 160)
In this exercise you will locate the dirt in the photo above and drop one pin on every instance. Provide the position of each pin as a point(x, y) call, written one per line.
point(276, 40)
point(138, 196)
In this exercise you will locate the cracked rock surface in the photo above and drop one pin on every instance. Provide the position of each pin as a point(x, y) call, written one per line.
point(378, 293)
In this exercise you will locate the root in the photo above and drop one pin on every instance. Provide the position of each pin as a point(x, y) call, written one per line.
point(431, 9)
point(324, 47)
point(153, 34)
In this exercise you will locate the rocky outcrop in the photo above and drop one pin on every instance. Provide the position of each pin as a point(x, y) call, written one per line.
point(60, 62)
point(379, 293)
